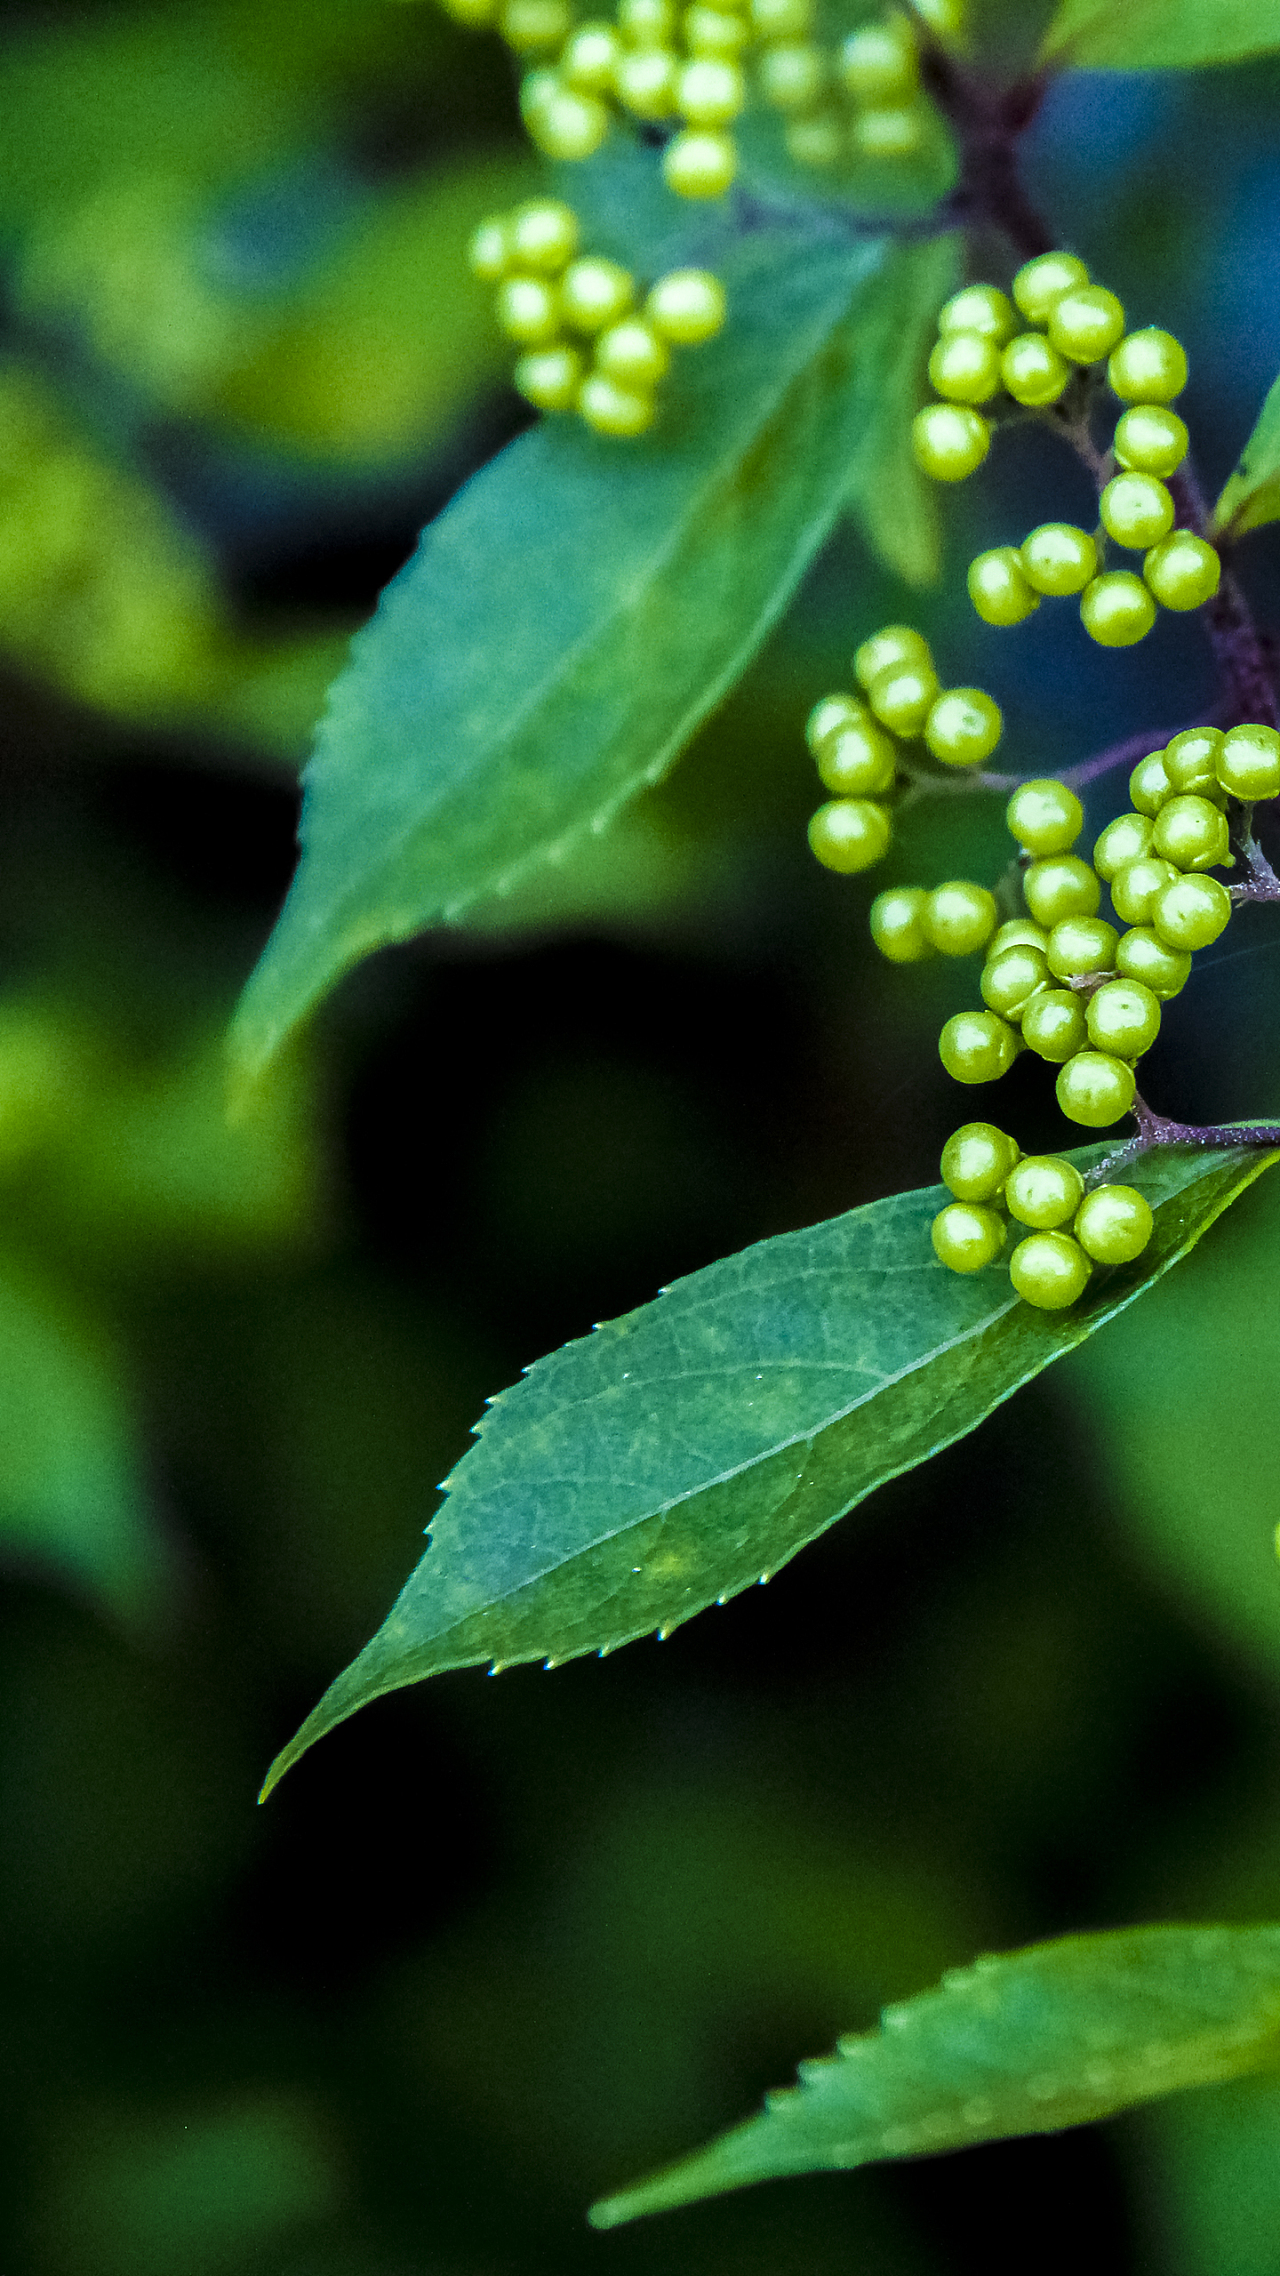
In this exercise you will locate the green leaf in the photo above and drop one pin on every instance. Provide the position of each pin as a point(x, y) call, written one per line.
point(1026, 2043)
point(1146, 35)
point(693, 1446)
point(1251, 496)
point(583, 604)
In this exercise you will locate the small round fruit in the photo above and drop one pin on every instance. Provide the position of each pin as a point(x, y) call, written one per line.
point(792, 75)
point(850, 834)
point(1183, 571)
point(965, 367)
point(1042, 281)
point(1123, 1017)
point(1142, 955)
point(1191, 912)
point(1149, 784)
point(1011, 979)
point(528, 311)
point(879, 64)
point(594, 293)
point(1191, 760)
point(1134, 889)
point(1079, 945)
point(1043, 1191)
point(647, 23)
point(976, 1160)
point(829, 716)
point(1148, 367)
point(715, 31)
point(699, 164)
point(1049, 1270)
point(979, 308)
point(489, 252)
point(1114, 1224)
point(963, 727)
point(1248, 762)
point(1150, 440)
point(613, 410)
point(544, 235)
point(1095, 1088)
point(1053, 1025)
point(1017, 932)
point(998, 586)
point(897, 925)
point(1032, 372)
point(894, 644)
point(884, 133)
point(632, 353)
point(687, 306)
point(1057, 558)
point(644, 81)
point(589, 57)
point(1136, 510)
point(550, 378)
point(950, 440)
point(710, 91)
point(1191, 833)
point(563, 124)
point(1085, 324)
point(858, 761)
point(1044, 816)
point(527, 25)
point(1061, 886)
point(818, 140)
point(1123, 841)
point(977, 1047)
point(1116, 609)
point(903, 697)
point(966, 1237)
point(781, 19)
point(960, 917)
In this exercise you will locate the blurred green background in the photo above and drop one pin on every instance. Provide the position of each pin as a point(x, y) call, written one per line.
point(497, 1946)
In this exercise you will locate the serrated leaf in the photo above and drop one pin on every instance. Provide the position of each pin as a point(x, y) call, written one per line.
point(583, 604)
point(1026, 2043)
point(1147, 35)
point(693, 1446)
point(1251, 495)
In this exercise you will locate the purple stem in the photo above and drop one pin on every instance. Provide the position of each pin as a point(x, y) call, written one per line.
point(1160, 1130)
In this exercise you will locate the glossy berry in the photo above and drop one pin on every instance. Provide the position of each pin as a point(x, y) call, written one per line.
point(699, 164)
point(489, 252)
point(614, 410)
point(1043, 1191)
point(528, 311)
point(896, 133)
point(1032, 372)
point(859, 761)
point(792, 75)
point(1017, 932)
point(589, 57)
point(1114, 1224)
point(647, 23)
point(895, 644)
point(965, 367)
point(1095, 1088)
point(1135, 887)
point(960, 917)
point(850, 834)
point(977, 1047)
point(1248, 762)
point(781, 19)
point(1148, 367)
point(595, 293)
point(1191, 760)
point(1125, 840)
point(950, 440)
point(976, 1160)
point(1123, 1017)
point(1011, 979)
point(527, 25)
point(632, 354)
point(544, 236)
point(897, 925)
point(963, 727)
point(550, 378)
point(1116, 609)
point(829, 715)
point(1042, 281)
point(1191, 912)
point(1150, 440)
point(562, 123)
point(903, 697)
point(879, 64)
point(645, 82)
point(1061, 886)
point(714, 31)
point(966, 1237)
point(998, 586)
point(1136, 510)
point(687, 306)
point(1044, 816)
point(1183, 571)
point(1057, 558)
point(1085, 324)
point(1191, 833)
point(1049, 1270)
point(1149, 784)
point(1142, 955)
point(1081, 944)
point(1053, 1025)
point(710, 91)
point(980, 308)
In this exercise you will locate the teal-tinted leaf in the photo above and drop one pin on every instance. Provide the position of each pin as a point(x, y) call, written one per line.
point(572, 616)
point(1023, 2044)
point(1251, 496)
point(693, 1446)
point(1147, 35)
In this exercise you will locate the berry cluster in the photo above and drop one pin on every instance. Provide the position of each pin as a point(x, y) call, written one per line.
point(588, 348)
point(1051, 1266)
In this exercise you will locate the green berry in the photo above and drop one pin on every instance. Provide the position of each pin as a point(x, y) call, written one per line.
point(976, 1160)
point(527, 25)
point(903, 697)
point(687, 306)
point(710, 91)
point(610, 409)
point(647, 23)
point(1248, 762)
point(850, 834)
point(1136, 510)
point(1123, 841)
point(528, 311)
point(966, 1237)
point(489, 252)
point(1043, 1191)
point(897, 924)
point(1032, 372)
point(830, 714)
point(561, 123)
point(1049, 1270)
point(1123, 1017)
point(963, 727)
point(1191, 912)
point(1061, 886)
point(860, 761)
point(960, 917)
point(595, 293)
point(1017, 932)
point(1150, 440)
point(632, 353)
point(1085, 324)
point(550, 378)
point(879, 64)
point(792, 75)
point(816, 140)
point(714, 31)
point(781, 19)
point(1042, 281)
point(1148, 367)
point(1114, 1224)
point(699, 163)
point(1183, 571)
point(1135, 887)
point(998, 586)
point(1081, 944)
point(1142, 955)
point(1191, 833)
point(1011, 979)
point(1095, 1088)
point(979, 308)
point(1191, 760)
point(896, 133)
point(1116, 609)
point(894, 644)
point(965, 367)
point(589, 59)
point(1058, 558)
point(977, 1047)
point(1044, 816)
point(950, 440)
point(1053, 1025)
point(1149, 784)
point(544, 235)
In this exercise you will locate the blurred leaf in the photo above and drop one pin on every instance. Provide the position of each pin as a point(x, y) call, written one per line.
point(895, 504)
point(1251, 496)
point(1027, 2043)
point(1144, 35)
point(1210, 2168)
point(693, 1446)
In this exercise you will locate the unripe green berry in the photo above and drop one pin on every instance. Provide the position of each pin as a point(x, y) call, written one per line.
point(1049, 1270)
point(1114, 1224)
point(528, 311)
point(1248, 762)
point(1191, 833)
point(632, 354)
point(818, 140)
point(897, 925)
point(1134, 889)
point(1123, 1016)
point(1017, 932)
point(859, 761)
point(792, 75)
point(1136, 510)
point(544, 235)
point(489, 252)
point(960, 917)
point(885, 133)
point(1095, 1088)
point(1116, 609)
point(979, 308)
point(1032, 372)
point(589, 58)
point(850, 834)
point(1011, 979)
point(611, 409)
point(829, 716)
point(1149, 784)
point(1148, 367)
point(715, 31)
point(1085, 324)
point(527, 25)
point(998, 586)
point(1123, 841)
point(966, 1237)
point(1191, 912)
point(963, 727)
point(647, 23)
point(1044, 816)
point(977, 1047)
point(976, 1160)
point(1191, 760)
point(965, 367)
point(1042, 281)
point(550, 378)
point(781, 19)
point(1142, 955)
point(903, 697)
point(950, 440)
point(1053, 1025)
point(1043, 1191)
point(687, 306)
point(645, 80)
point(894, 644)
point(1183, 571)
point(710, 91)
point(879, 64)
point(1150, 440)
point(594, 293)
point(699, 164)
point(1057, 558)
point(1081, 944)
point(560, 122)
point(1061, 886)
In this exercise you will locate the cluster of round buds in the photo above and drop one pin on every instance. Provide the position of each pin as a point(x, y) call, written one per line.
point(856, 741)
point(588, 347)
point(1065, 1231)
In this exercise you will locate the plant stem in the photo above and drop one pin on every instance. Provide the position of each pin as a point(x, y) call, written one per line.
point(1161, 1130)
